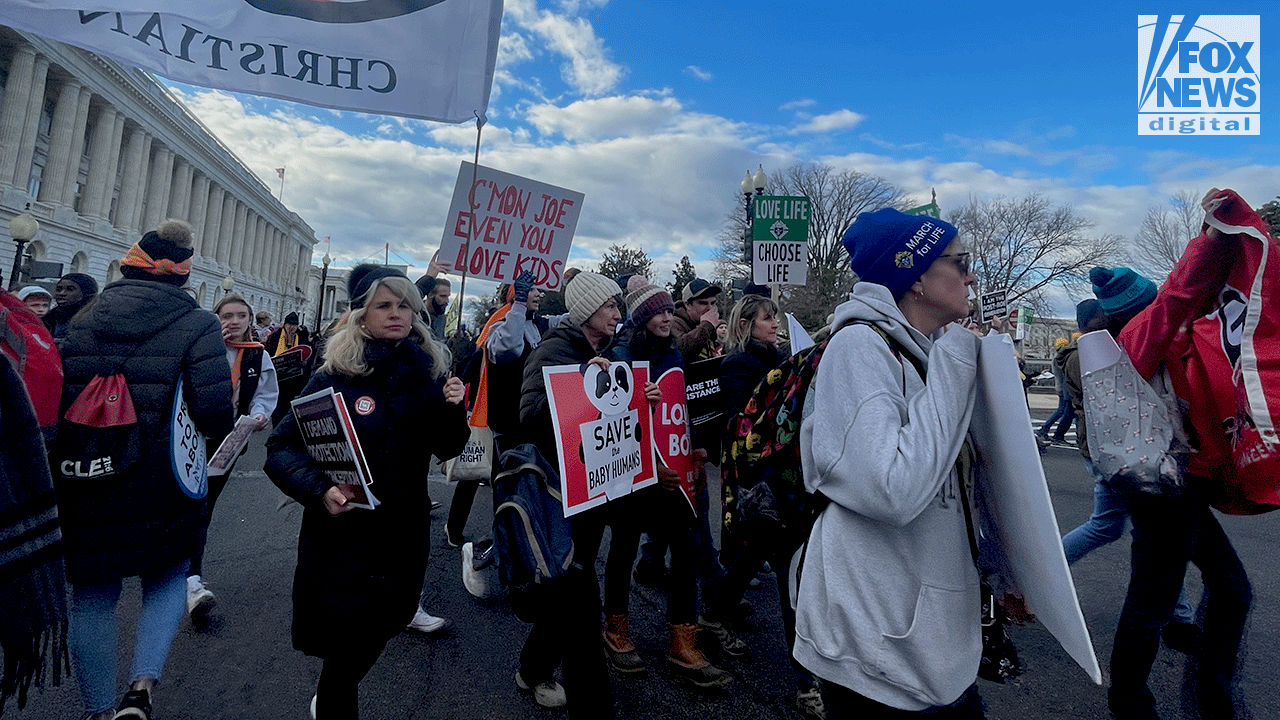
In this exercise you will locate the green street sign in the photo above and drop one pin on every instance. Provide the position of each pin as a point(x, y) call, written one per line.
point(780, 218)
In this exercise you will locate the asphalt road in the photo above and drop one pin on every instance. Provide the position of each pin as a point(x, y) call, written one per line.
point(243, 664)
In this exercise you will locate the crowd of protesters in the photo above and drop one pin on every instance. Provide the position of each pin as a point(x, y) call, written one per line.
point(884, 624)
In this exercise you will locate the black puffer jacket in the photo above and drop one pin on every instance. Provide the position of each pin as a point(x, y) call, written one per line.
point(742, 370)
point(143, 522)
point(566, 345)
point(368, 564)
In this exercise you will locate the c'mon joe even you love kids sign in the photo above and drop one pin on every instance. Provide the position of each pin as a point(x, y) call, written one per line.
point(518, 224)
point(604, 430)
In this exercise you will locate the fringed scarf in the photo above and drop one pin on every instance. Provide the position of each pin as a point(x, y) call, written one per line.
point(33, 633)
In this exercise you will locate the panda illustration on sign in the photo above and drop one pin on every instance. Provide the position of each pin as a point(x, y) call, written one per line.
point(611, 444)
point(609, 390)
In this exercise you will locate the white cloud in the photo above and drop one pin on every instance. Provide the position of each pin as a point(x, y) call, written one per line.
point(838, 120)
point(699, 73)
point(588, 69)
point(798, 104)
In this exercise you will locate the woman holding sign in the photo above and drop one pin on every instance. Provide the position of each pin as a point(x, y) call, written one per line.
point(254, 392)
point(360, 571)
point(125, 513)
point(665, 510)
point(887, 610)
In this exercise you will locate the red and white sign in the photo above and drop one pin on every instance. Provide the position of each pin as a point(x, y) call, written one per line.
point(671, 436)
point(603, 428)
point(519, 224)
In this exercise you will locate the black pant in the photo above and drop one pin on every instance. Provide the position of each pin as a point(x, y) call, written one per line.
point(841, 703)
point(1167, 533)
point(570, 633)
point(337, 692)
point(464, 495)
point(216, 485)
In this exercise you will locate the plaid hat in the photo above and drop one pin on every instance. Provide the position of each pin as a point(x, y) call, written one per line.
point(647, 301)
point(163, 254)
point(698, 289)
point(891, 248)
point(1120, 291)
point(586, 293)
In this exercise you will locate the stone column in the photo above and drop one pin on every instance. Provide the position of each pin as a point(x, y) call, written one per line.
point(259, 243)
point(212, 222)
point(100, 183)
point(77, 150)
point(180, 196)
point(140, 198)
point(199, 209)
point(13, 114)
point(113, 171)
point(31, 125)
point(239, 238)
point(304, 266)
point(228, 227)
point(277, 267)
point(129, 187)
point(158, 189)
point(55, 164)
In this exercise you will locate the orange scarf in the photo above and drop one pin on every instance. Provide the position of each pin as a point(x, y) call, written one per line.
point(480, 413)
point(283, 343)
point(138, 258)
point(241, 346)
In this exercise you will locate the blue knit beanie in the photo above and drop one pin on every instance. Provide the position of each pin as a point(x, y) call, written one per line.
point(892, 248)
point(1120, 291)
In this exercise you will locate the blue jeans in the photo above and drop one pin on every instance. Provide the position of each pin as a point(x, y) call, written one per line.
point(1064, 416)
point(93, 632)
point(1105, 526)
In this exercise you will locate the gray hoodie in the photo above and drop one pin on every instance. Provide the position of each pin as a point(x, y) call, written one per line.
point(888, 605)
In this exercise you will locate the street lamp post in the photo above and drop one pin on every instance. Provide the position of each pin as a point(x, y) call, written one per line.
point(751, 185)
point(324, 277)
point(22, 228)
point(227, 283)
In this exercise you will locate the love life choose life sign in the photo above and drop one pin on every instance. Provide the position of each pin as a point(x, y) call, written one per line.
point(779, 240)
point(518, 224)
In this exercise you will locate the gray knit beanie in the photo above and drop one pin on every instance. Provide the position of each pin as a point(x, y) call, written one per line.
point(585, 293)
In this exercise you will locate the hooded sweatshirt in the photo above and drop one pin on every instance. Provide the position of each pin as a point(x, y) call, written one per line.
point(888, 603)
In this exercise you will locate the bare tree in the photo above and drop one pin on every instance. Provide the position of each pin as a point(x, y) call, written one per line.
point(1029, 244)
point(1164, 234)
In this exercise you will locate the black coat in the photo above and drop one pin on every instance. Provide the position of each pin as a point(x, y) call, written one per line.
point(566, 345)
point(741, 371)
point(362, 571)
point(142, 522)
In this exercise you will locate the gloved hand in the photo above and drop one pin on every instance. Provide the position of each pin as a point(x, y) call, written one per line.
point(523, 284)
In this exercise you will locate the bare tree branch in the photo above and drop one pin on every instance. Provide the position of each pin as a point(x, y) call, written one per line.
point(1164, 234)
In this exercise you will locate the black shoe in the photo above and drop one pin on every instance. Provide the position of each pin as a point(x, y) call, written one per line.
point(1182, 636)
point(136, 705)
point(1126, 707)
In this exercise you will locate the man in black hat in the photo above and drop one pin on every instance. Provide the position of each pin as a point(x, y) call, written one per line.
point(694, 323)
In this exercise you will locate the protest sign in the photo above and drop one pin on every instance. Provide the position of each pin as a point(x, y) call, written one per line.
point(603, 431)
point(187, 449)
point(797, 335)
point(672, 437)
point(519, 224)
point(780, 240)
point(292, 363)
point(430, 59)
point(331, 441)
point(994, 305)
point(702, 391)
point(1014, 497)
point(225, 456)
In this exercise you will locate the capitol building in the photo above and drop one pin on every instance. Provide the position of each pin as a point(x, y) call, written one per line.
point(101, 153)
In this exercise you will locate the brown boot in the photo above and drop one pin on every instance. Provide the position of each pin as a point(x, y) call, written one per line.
point(687, 660)
point(618, 646)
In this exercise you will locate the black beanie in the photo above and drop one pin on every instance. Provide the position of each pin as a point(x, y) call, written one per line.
point(362, 277)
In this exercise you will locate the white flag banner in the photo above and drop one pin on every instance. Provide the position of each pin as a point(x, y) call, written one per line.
point(430, 59)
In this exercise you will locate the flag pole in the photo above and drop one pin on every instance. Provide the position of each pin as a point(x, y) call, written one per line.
point(471, 228)
point(280, 196)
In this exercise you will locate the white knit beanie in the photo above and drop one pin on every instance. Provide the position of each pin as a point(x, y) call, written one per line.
point(586, 293)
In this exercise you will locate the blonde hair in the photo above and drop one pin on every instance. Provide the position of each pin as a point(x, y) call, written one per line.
point(235, 298)
point(748, 308)
point(344, 353)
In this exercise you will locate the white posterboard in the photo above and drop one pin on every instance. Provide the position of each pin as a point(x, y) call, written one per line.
point(520, 224)
point(779, 262)
point(1016, 501)
point(1097, 350)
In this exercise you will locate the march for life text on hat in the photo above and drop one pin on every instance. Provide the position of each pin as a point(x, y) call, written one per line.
point(891, 248)
point(698, 289)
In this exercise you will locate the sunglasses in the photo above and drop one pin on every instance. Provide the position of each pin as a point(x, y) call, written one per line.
point(961, 260)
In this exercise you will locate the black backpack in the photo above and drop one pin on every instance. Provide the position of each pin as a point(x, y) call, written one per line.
point(532, 537)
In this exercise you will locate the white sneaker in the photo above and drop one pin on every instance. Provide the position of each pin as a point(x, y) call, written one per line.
point(200, 601)
point(428, 624)
point(548, 694)
point(473, 580)
point(313, 706)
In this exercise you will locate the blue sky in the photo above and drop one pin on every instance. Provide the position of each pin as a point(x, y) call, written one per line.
point(655, 111)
